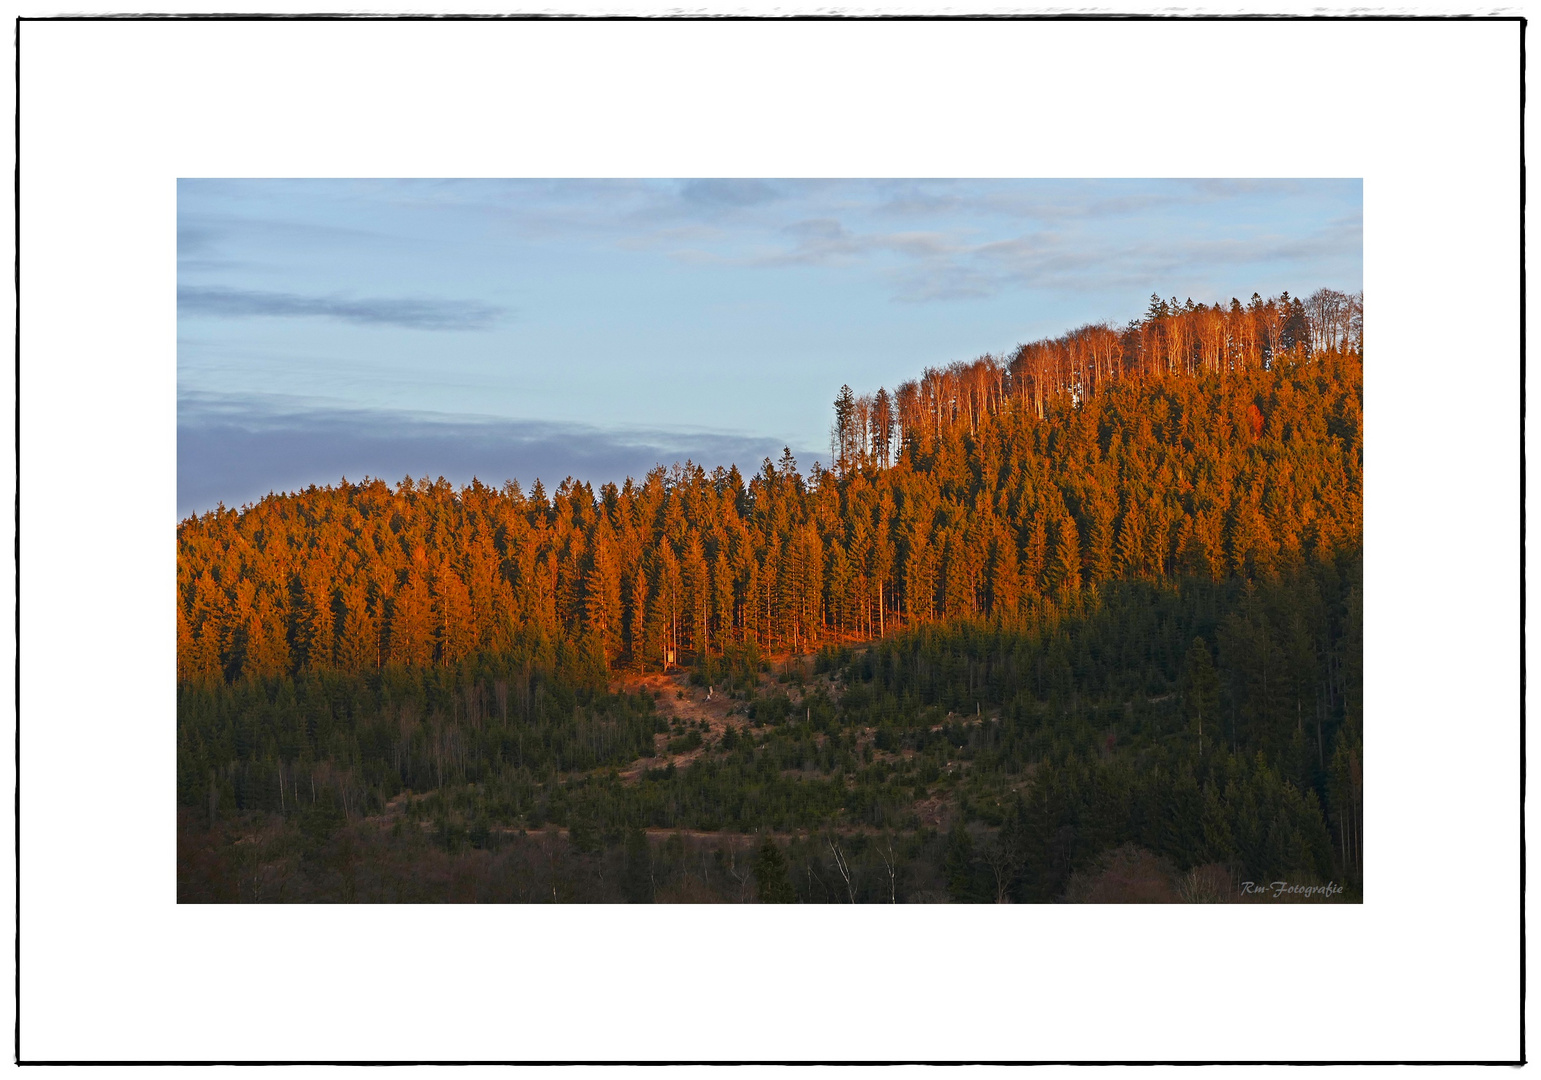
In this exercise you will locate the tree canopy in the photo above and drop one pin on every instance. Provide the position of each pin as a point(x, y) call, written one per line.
point(1132, 555)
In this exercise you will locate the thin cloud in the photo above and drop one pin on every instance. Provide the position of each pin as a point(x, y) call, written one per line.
point(822, 241)
point(1220, 188)
point(194, 239)
point(957, 239)
point(728, 193)
point(413, 313)
point(1051, 260)
point(1059, 201)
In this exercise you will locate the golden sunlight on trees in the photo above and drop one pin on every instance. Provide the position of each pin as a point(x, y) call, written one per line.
point(1103, 591)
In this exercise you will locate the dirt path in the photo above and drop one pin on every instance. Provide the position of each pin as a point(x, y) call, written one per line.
point(678, 701)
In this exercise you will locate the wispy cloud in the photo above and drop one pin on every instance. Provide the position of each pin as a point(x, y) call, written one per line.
point(928, 241)
point(413, 313)
point(958, 240)
point(193, 240)
point(826, 241)
point(732, 193)
point(1051, 259)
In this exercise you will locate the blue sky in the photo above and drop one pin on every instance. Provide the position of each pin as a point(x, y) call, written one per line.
point(524, 328)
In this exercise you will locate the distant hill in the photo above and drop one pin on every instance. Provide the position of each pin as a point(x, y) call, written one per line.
point(1202, 441)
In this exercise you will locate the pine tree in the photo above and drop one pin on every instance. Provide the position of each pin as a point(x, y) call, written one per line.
point(697, 595)
point(637, 875)
point(1005, 575)
point(1201, 692)
point(266, 640)
point(920, 571)
point(962, 871)
point(412, 624)
point(318, 630)
point(1064, 570)
point(843, 437)
point(772, 883)
point(452, 615)
point(602, 592)
point(357, 649)
point(1133, 560)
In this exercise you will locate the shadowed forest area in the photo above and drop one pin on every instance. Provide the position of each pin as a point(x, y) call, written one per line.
point(1082, 624)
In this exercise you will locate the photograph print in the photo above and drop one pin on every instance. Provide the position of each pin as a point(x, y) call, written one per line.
point(769, 541)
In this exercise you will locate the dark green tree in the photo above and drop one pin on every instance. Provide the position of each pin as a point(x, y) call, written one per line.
point(1201, 692)
point(773, 884)
point(967, 877)
point(637, 871)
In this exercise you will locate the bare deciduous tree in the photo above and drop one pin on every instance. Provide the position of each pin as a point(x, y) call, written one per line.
point(842, 865)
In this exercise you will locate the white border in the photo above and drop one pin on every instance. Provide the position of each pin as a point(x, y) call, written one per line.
point(1426, 113)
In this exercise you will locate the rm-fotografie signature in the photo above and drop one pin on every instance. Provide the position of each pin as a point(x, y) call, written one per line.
point(1277, 889)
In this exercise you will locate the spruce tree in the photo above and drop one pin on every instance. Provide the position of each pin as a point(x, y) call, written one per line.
point(773, 885)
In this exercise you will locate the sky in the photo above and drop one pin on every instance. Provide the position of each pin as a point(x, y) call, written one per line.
point(524, 329)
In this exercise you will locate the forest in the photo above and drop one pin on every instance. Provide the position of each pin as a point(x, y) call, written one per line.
point(1079, 623)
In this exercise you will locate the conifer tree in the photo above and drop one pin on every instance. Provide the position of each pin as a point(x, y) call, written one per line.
point(412, 623)
point(1065, 563)
point(452, 615)
point(772, 883)
point(1201, 691)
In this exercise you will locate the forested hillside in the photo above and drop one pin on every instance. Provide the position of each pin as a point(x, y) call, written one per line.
point(1111, 584)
